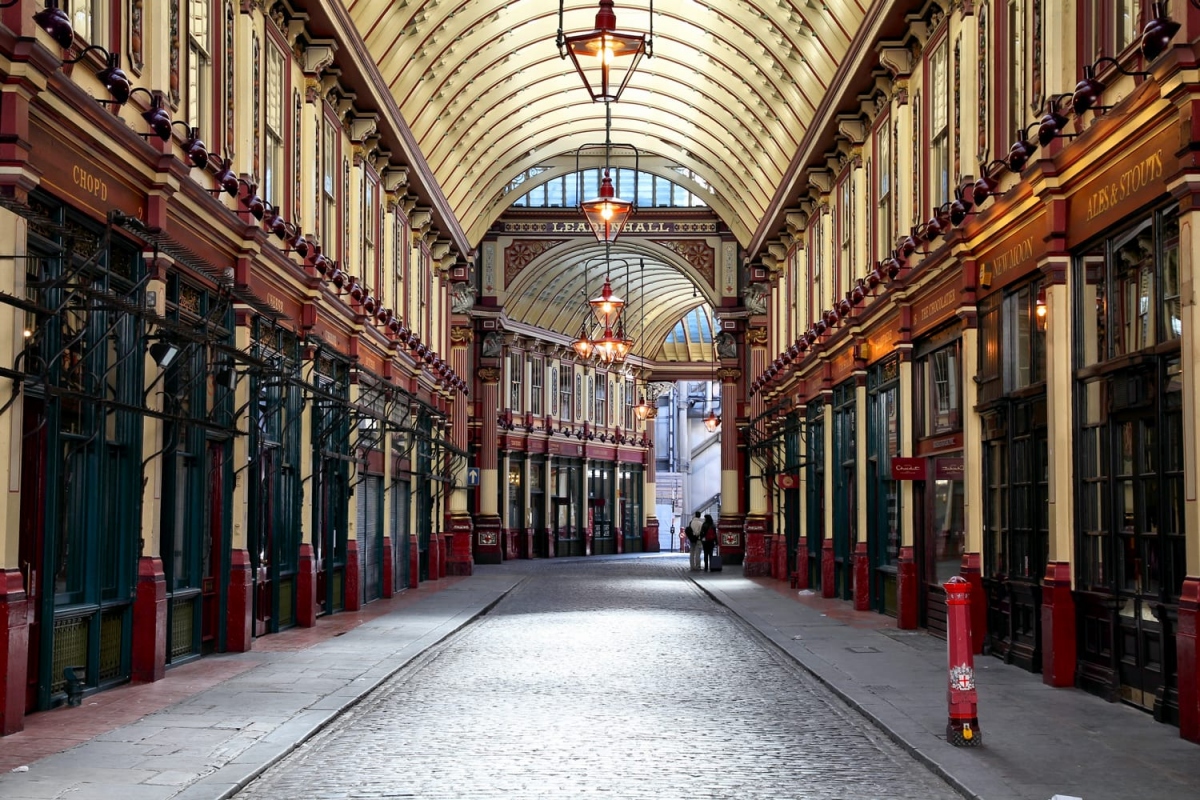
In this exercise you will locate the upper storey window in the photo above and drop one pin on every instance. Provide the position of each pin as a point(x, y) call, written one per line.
point(1109, 27)
point(198, 99)
point(883, 172)
point(273, 162)
point(939, 123)
point(649, 190)
point(87, 18)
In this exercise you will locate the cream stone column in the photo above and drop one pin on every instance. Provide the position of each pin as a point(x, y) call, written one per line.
point(908, 591)
point(861, 557)
point(828, 587)
point(1058, 604)
point(1188, 638)
point(459, 560)
point(972, 559)
point(352, 591)
point(307, 602)
point(15, 578)
point(149, 651)
point(239, 629)
point(967, 74)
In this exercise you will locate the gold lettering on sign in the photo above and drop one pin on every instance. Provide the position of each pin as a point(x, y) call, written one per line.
point(1017, 254)
point(1127, 183)
point(89, 182)
point(275, 302)
point(940, 304)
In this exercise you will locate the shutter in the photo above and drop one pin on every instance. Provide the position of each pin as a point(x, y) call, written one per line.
point(369, 538)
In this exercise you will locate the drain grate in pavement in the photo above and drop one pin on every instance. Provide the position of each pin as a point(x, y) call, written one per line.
point(866, 649)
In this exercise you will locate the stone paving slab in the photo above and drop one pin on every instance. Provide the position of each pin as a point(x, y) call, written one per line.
point(1038, 741)
point(206, 746)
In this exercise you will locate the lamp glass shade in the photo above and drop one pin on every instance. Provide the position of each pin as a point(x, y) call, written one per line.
point(163, 353)
point(712, 422)
point(604, 57)
point(607, 306)
point(607, 214)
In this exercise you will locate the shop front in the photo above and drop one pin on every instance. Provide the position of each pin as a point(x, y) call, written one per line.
point(939, 510)
point(567, 506)
point(629, 500)
point(883, 500)
point(814, 527)
point(1130, 461)
point(601, 499)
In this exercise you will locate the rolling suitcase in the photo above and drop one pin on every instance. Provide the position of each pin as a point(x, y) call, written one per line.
point(714, 563)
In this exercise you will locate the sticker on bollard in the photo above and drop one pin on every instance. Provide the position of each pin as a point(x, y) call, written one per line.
point(962, 727)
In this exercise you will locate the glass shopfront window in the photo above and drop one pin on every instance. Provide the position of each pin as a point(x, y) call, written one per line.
point(1129, 457)
point(940, 391)
point(883, 443)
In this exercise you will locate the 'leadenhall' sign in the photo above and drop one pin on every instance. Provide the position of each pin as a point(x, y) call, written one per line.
point(574, 226)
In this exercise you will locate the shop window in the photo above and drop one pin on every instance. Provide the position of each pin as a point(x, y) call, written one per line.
point(1025, 349)
point(940, 391)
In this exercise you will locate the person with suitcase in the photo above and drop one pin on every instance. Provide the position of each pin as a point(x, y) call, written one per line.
point(693, 537)
point(708, 540)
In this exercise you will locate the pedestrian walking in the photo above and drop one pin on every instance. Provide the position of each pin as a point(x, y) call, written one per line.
point(693, 537)
point(708, 538)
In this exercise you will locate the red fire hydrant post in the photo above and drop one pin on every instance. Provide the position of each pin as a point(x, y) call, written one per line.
point(962, 730)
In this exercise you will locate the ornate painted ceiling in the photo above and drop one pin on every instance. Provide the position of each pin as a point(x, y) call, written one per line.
point(728, 94)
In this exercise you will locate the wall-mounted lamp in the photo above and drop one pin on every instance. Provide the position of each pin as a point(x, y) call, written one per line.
point(163, 353)
point(1159, 31)
point(157, 116)
point(193, 147)
point(54, 21)
point(114, 79)
point(1040, 303)
point(1021, 151)
point(1052, 122)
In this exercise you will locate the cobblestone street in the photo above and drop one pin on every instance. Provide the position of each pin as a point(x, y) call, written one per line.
point(616, 678)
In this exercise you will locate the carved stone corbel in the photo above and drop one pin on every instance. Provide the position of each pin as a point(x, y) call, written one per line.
point(318, 56)
point(395, 179)
point(361, 126)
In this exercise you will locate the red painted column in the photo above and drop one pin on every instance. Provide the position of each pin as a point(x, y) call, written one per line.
point(962, 727)
point(487, 522)
point(352, 588)
point(1058, 626)
point(459, 560)
point(862, 578)
point(827, 579)
point(414, 563)
point(779, 568)
point(150, 621)
point(306, 587)
point(14, 650)
point(972, 570)
point(908, 592)
point(238, 605)
point(389, 571)
point(757, 563)
point(1187, 644)
point(802, 565)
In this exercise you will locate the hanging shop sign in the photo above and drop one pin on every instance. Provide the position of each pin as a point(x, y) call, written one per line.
point(1135, 179)
point(909, 469)
point(787, 480)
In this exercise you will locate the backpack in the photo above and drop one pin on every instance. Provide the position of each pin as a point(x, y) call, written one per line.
point(710, 535)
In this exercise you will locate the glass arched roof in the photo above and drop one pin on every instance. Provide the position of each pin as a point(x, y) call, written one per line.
point(642, 188)
point(692, 337)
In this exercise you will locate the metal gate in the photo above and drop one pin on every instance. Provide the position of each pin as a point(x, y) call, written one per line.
point(370, 544)
point(400, 545)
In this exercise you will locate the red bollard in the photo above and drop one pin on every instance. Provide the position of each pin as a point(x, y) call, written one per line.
point(962, 729)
